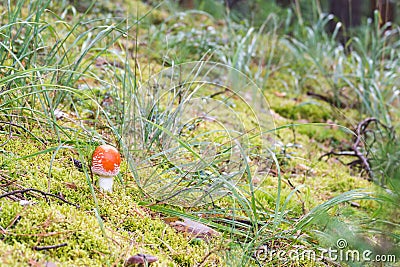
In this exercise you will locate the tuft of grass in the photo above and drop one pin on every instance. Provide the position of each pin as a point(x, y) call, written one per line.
point(185, 140)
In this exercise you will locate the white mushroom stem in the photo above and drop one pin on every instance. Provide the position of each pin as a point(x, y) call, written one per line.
point(106, 183)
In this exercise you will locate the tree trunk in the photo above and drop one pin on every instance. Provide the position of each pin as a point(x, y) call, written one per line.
point(346, 11)
point(284, 3)
point(187, 4)
point(386, 10)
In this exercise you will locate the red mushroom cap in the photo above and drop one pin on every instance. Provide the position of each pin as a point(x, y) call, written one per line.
point(106, 161)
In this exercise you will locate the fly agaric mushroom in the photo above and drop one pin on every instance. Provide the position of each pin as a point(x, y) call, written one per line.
point(105, 163)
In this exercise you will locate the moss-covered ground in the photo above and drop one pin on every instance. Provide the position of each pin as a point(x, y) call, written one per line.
point(78, 225)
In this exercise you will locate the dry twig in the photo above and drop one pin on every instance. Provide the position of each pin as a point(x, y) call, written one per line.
point(37, 248)
point(362, 160)
point(45, 195)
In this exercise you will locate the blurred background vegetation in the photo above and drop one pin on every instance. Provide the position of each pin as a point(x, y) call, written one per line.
point(309, 11)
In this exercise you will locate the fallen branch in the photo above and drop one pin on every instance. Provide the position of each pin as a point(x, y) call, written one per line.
point(362, 158)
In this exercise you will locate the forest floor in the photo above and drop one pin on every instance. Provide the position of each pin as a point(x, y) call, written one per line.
point(280, 140)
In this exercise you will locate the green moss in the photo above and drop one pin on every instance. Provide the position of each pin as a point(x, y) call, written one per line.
point(311, 111)
point(123, 227)
point(324, 133)
point(47, 224)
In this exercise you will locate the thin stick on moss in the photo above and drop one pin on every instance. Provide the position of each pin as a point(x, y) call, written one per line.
point(23, 191)
point(37, 248)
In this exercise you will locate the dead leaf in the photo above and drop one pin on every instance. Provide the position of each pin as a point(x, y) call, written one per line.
point(101, 61)
point(256, 180)
point(71, 185)
point(194, 229)
point(169, 220)
point(107, 101)
point(59, 114)
point(304, 168)
point(280, 94)
point(34, 263)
